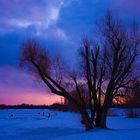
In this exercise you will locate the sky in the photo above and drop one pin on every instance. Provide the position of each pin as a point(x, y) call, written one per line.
point(59, 26)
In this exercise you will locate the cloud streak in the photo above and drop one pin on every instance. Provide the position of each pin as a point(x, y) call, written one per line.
point(31, 15)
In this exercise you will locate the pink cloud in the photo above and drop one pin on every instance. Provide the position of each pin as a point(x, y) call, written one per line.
point(18, 87)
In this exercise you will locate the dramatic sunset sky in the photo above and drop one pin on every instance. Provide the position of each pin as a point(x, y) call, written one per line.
point(59, 26)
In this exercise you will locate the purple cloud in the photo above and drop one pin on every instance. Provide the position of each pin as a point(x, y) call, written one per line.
point(127, 7)
point(32, 14)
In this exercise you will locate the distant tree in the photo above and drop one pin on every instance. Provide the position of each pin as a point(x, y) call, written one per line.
point(134, 95)
point(107, 68)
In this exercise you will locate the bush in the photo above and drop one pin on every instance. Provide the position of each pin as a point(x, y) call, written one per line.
point(132, 113)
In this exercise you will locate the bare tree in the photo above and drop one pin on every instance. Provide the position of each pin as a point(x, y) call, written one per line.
point(109, 64)
point(107, 69)
point(37, 60)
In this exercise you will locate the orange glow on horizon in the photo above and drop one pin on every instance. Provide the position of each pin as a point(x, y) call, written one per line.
point(36, 99)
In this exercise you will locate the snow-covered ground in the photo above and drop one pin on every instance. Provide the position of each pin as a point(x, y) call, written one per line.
point(32, 125)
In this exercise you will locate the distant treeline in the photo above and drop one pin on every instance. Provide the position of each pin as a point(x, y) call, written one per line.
point(23, 106)
point(58, 106)
point(55, 106)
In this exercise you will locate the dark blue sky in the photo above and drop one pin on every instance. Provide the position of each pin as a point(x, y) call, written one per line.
point(59, 25)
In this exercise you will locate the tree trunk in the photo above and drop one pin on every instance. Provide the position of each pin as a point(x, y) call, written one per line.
point(101, 118)
point(86, 120)
point(101, 115)
point(98, 118)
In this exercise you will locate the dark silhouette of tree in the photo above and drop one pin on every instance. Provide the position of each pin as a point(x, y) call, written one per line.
point(109, 64)
point(37, 60)
point(107, 68)
point(134, 95)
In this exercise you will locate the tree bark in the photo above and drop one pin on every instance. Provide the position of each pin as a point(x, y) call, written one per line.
point(101, 118)
point(86, 120)
point(101, 115)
